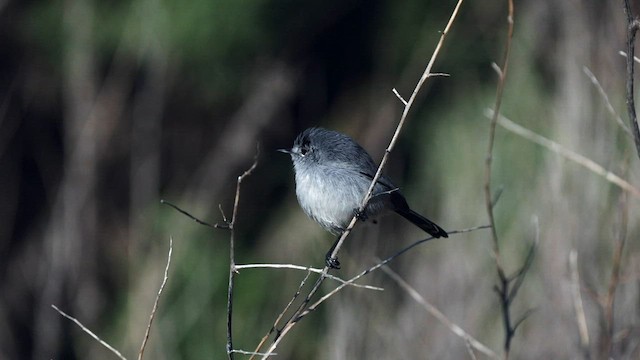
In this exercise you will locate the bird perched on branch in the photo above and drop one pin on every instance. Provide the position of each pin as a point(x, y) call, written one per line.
point(333, 174)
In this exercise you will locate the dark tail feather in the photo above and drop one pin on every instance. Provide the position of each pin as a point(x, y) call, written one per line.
point(423, 223)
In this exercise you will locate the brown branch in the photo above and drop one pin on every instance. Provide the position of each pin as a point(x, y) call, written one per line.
point(578, 306)
point(232, 261)
point(215, 226)
point(502, 74)
point(508, 286)
point(632, 27)
point(155, 304)
point(614, 279)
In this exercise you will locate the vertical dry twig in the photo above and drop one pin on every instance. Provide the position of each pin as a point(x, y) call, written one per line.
point(614, 279)
point(633, 24)
point(581, 319)
point(232, 263)
point(508, 286)
point(426, 74)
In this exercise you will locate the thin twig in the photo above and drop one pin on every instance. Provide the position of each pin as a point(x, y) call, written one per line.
point(296, 316)
point(518, 277)
point(614, 279)
point(155, 304)
point(252, 353)
point(624, 54)
point(286, 308)
point(304, 268)
point(85, 329)
point(232, 261)
point(632, 27)
point(502, 289)
point(578, 306)
point(502, 74)
point(216, 226)
point(566, 153)
point(457, 330)
point(607, 103)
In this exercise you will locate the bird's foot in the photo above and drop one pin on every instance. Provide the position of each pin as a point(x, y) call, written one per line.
point(332, 262)
point(360, 215)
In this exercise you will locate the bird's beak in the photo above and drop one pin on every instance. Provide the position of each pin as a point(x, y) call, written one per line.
point(286, 151)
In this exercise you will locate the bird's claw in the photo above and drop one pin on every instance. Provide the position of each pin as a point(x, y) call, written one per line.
point(332, 262)
point(360, 215)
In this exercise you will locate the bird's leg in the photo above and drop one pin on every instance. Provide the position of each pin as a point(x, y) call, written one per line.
point(332, 262)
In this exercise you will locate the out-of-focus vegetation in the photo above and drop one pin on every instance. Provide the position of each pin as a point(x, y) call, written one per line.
point(108, 106)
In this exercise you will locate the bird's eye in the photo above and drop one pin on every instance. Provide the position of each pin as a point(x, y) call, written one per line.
point(304, 149)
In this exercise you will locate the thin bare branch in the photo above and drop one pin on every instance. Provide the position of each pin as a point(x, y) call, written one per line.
point(607, 103)
point(581, 319)
point(252, 353)
point(566, 153)
point(304, 268)
point(216, 226)
point(232, 261)
point(614, 278)
point(400, 96)
point(624, 54)
point(286, 308)
point(457, 330)
point(502, 75)
point(632, 27)
point(85, 329)
point(155, 304)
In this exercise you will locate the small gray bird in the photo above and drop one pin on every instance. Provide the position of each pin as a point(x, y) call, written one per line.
point(333, 173)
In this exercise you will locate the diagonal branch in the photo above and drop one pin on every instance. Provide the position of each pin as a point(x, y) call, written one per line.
point(567, 154)
point(415, 295)
point(85, 329)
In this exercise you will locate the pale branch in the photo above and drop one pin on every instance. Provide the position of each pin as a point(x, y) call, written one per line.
point(304, 268)
point(581, 319)
point(566, 153)
point(281, 315)
point(607, 102)
point(155, 304)
point(86, 330)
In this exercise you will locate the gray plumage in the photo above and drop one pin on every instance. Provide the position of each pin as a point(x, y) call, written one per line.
point(333, 173)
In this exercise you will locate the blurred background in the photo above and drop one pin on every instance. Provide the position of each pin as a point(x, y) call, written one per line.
point(106, 107)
